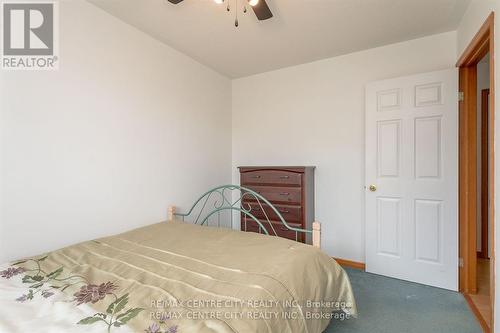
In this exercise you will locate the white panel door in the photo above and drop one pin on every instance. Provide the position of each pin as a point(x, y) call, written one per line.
point(412, 161)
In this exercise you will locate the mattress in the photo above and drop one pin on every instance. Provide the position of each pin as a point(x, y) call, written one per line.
point(176, 277)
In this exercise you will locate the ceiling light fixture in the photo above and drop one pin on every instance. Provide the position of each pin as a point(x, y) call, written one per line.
point(259, 7)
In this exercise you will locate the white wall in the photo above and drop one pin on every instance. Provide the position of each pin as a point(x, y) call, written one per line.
point(126, 127)
point(313, 114)
point(474, 17)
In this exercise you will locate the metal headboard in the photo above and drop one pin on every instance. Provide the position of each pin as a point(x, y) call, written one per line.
point(235, 198)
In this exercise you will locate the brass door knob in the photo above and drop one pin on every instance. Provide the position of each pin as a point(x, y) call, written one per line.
point(372, 188)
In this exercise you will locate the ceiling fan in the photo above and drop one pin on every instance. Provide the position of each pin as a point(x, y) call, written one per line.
point(260, 8)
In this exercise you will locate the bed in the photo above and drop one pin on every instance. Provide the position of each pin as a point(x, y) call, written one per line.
point(178, 277)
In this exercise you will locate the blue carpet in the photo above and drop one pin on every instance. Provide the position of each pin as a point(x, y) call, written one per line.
point(389, 305)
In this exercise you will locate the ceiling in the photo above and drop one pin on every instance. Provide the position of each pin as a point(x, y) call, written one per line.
point(301, 30)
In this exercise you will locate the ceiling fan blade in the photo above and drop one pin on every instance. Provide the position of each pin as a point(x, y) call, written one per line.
point(175, 2)
point(262, 11)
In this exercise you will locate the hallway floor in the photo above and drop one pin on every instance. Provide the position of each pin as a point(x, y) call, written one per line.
point(481, 300)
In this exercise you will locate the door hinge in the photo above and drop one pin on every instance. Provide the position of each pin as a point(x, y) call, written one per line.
point(460, 262)
point(460, 96)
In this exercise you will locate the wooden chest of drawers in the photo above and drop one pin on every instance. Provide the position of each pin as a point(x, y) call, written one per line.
point(290, 190)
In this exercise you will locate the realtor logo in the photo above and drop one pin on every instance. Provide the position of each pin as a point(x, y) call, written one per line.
point(29, 36)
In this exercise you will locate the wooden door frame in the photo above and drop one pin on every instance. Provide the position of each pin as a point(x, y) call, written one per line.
point(485, 94)
point(481, 44)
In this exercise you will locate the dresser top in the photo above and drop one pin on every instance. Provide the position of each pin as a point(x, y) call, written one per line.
point(275, 167)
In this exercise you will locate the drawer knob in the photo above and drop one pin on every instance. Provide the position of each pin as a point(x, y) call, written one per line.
point(256, 177)
point(284, 211)
point(284, 177)
point(284, 193)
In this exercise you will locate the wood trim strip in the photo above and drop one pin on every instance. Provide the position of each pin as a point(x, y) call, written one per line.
point(350, 263)
point(484, 173)
point(467, 179)
point(477, 314)
point(479, 45)
point(491, 167)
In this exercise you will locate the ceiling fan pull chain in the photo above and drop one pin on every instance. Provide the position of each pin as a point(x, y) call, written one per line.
point(236, 23)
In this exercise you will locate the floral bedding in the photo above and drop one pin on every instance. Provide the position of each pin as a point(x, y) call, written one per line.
point(176, 277)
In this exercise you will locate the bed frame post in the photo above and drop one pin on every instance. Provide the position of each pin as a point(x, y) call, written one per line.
point(316, 237)
point(171, 212)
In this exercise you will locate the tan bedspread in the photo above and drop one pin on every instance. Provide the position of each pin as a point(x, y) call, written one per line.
point(176, 277)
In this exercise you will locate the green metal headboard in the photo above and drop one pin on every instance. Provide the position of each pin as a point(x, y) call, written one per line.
point(234, 198)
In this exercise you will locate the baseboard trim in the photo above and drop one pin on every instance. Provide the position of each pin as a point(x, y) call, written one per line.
point(350, 263)
point(477, 314)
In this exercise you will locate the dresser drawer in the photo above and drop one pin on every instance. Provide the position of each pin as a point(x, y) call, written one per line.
point(250, 226)
point(279, 194)
point(279, 228)
point(275, 177)
point(283, 231)
point(289, 213)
